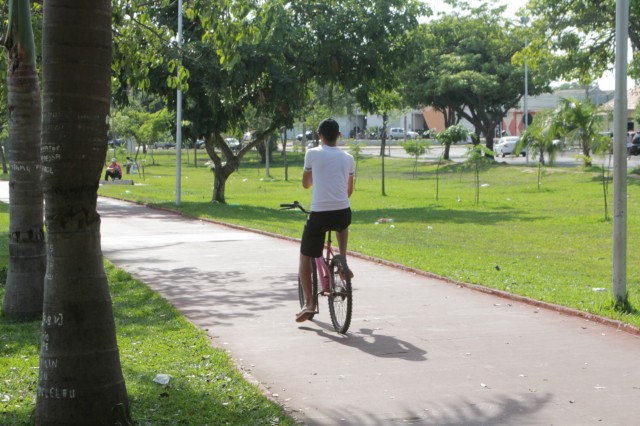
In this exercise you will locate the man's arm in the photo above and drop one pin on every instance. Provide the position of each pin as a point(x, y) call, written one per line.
point(350, 186)
point(307, 179)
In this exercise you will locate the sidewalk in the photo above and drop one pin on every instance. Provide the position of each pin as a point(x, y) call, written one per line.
point(419, 351)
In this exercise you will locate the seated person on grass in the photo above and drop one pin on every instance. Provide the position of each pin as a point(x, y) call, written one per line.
point(113, 170)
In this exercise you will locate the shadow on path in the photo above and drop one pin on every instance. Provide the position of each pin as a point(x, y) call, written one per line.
point(372, 342)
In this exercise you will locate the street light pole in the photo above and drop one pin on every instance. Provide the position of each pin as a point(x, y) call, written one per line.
point(525, 21)
point(620, 117)
point(179, 116)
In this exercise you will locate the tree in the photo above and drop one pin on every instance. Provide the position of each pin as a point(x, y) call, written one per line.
point(355, 149)
point(580, 124)
point(228, 68)
point(476, 158)
point(80, 378)
point(265, 55)
point(578, 36)
point(27, 256)
point(467, 67)
point(415, 148)
point(448, 136)
point(540, 137)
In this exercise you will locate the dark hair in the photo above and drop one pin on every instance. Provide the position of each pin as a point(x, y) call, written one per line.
point(330, 129)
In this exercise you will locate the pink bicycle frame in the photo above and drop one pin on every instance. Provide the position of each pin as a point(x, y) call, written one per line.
point(322, 267)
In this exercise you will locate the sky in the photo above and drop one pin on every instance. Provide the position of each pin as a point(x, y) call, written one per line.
point(607, 82)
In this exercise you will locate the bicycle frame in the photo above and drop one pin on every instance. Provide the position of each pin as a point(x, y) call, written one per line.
point(322, 266)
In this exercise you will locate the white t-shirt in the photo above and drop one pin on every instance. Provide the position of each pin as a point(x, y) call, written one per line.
point(330, 168)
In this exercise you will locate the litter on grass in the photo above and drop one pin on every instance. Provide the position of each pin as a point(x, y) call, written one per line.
point(162, 379)
point(383, 220)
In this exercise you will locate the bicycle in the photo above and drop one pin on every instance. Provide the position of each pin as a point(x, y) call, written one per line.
point(335, 279)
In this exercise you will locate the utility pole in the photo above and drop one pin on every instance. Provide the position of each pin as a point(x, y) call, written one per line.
point(620, 109)
point(525, 21)
point(179, 114)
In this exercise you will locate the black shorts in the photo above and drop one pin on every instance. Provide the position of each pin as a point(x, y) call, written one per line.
point(317, 226)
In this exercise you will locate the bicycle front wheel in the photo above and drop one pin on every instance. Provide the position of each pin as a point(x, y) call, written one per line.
point(314, 287)
point(341, 298)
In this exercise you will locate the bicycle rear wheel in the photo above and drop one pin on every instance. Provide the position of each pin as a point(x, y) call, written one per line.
point(314, 287)
point(341, 299)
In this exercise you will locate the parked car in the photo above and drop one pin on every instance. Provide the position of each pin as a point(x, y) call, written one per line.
point(113, 143)
point(308, 135)
point(164, 145)
point(396, 133)
point(200, 143)
point(233, 143)
point(633, 148)
point(506, 145)
point(411, 134)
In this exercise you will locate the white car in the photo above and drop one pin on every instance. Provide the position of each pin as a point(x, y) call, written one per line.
point(506, 145)
point(233, 143)
point(399, 133)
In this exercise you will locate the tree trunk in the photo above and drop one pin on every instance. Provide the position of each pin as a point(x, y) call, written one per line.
point(385, 119)
point(221, 174)
point(27, 256)
point(80, 378)
point(447, 149)
point(284, 154)
point(586, 151)
point(489, 132)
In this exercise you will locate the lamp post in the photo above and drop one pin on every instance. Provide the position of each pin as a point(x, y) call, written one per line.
point(179, 116)
point(525, 21)
point(620, 114)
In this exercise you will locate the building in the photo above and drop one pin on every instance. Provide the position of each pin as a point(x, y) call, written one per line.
point(633, 96)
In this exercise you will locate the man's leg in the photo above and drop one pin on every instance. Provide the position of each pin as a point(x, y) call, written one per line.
point(343, 239)
point(305, 270)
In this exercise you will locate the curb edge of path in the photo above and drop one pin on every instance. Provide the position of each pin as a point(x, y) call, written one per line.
point(563, 310)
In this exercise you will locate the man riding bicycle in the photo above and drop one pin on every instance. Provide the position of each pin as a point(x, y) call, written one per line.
point(330, 171)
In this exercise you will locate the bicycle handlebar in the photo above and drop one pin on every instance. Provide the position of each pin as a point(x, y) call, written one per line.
point(294, 205)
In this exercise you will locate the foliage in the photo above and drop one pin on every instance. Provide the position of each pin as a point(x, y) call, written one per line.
point(579, 123)
point(540, 136)
point(415, 148)
point(475, 160)
point(465, 67)
point(636, 114)
point(453, 134)
point(579, 36)
point(245, 56)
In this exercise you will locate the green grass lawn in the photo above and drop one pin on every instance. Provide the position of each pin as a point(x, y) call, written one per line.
point(153, 337)
point(551, 244)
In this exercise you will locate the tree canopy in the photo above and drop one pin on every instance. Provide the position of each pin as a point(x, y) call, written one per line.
point(242, 57)
point(579, 36)
point(466, 65)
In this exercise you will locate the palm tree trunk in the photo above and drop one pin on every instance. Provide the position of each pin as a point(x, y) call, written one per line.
point(81, 379)
point(27, 256)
